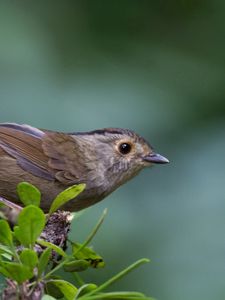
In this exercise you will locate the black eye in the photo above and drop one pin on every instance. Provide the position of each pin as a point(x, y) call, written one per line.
point(124, 148)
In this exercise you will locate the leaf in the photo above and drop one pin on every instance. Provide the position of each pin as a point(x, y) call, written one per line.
point(65, 196)
point(118, 276)
point(6, 255)
point(28, 194)
point(4, 272)
point(88, 254)
point(16, 232)
point(5, 233)
point(52, 246)
point(85, 288)
point(29, 258)
point(53, 290)
point(48, 297)
point(43, 261)
point(76, 265)
point(6, 249)
point(66, 288)
point(6, 252)
point(115, 296)
point(31, 222)
point(15, 271)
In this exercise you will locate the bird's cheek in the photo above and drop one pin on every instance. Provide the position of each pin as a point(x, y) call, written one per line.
point(123, 165)
point(146, 164)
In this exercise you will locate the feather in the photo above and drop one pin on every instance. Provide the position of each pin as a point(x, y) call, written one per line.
point(46, 154)
point(61, 148)
point(27, 149)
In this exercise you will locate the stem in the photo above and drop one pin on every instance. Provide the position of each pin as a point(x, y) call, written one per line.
point(16, 256)
point(56, 268)
point(78, 279)
point(119, 276)
point(93, 233)
point(117, 295)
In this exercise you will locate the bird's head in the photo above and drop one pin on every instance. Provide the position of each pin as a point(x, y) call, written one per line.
point(119, 154)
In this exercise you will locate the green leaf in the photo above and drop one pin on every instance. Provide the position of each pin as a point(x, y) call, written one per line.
point(88, 254)
point(115, 296)
point(52, 246)
point(28, 194)
point(85, 288)
point(6, 249)
point(5, 233)
point(6, 255)
point(15, 271)
point(43, 261)
point(6, 252)
point(66, 288)
point(31, 222)
point(76, 265)
point(48, 297)
point(53, 290)
point(65, 196)
point(4, 272)
point(119, 275)
point(29, 258)
point(16, 232)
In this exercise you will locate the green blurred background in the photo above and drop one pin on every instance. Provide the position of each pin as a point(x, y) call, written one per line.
point(157, 67)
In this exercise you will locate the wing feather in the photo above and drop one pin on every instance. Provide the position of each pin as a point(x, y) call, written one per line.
point(27, 149)
point(47, 154)
point(64, 158)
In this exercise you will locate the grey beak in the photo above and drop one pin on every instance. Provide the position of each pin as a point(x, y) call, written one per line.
point(156, 158)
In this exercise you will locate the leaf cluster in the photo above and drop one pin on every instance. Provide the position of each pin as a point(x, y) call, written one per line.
point(24, 266)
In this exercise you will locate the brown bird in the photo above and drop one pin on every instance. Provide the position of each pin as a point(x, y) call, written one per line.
point(102, 159)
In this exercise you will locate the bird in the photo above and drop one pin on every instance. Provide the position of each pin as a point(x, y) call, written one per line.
point(102, 159)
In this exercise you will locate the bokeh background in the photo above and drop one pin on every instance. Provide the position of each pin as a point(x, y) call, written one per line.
point(157, 67)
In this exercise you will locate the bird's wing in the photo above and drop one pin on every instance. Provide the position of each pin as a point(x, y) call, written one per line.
point(46, 154)
point(24, 143)
point(64, 157)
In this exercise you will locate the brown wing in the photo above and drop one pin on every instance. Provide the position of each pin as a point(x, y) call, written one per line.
point(65, 157)
point(46, 154)
point(26, 146)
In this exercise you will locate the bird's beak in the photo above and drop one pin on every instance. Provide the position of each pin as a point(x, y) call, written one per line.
point(156, 158)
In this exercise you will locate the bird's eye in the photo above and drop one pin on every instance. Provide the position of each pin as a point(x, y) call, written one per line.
point(125, 148)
